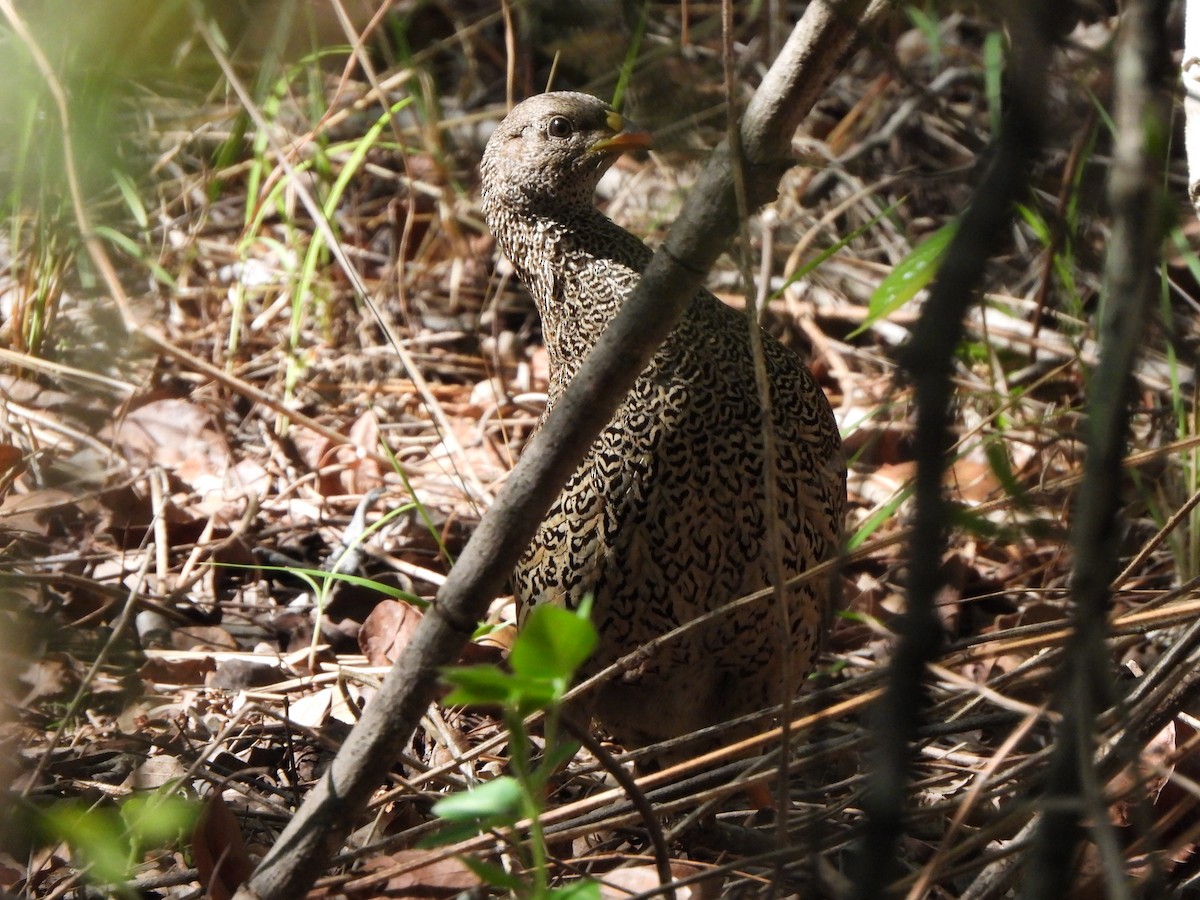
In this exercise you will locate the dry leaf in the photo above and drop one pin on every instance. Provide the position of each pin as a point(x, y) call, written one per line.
point(219, 850)
point(243, 674)
point(162, 670)
point(439, 877)
point(51, 676)
point(179, 437)
point(347, 468)
point(311, 710)
point(158, 771)
point(1156, 771)
point(620, 883)
point(387, 631)
point(10, 461)
point(27, 512)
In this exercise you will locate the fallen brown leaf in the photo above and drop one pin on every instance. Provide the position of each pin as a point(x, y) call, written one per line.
point(219, 850)
point(439, 877)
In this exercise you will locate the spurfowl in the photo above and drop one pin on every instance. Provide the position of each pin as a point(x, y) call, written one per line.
point(665, 519)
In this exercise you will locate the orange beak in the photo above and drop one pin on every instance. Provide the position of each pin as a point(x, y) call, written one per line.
point(622, 141)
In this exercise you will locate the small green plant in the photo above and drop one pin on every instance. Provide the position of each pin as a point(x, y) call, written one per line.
point(45, 252)
point(552, 645)
point(110, 841)
point(929, 26)
point(40, 234)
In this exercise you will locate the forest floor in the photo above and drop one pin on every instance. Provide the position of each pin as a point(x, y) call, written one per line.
point(201, 413)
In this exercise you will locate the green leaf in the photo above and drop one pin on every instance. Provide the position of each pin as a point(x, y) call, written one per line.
point(499, 798)
point(315, 576)
point(553, 643)
point(478, 684)
point(812, 264)
point(831, 670)
point(878, 517)
point(133, 200)
point(997, 455)
point(993, 76)
point(559, 755)
point(912, 274)
point(155, 819)
point(931, 30)
point(972, 522)
point(110, 840)
point(94, 833)
point(1037, 223)
point(584, 889)
point(492, 686)
point(453, 833)
point(131, 247)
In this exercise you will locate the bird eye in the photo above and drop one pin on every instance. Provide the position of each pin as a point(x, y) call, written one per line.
point(560, 127)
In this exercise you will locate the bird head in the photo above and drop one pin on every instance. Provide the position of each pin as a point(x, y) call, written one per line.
point(551, 150)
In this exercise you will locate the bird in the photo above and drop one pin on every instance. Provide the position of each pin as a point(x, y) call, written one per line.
point(666, 518)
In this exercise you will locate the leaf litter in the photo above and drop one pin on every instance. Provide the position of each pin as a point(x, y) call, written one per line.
point(134, 484)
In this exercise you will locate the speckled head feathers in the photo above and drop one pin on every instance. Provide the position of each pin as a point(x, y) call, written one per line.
point(551, 150)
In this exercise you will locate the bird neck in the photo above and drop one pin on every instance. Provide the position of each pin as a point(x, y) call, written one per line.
point(578, 265)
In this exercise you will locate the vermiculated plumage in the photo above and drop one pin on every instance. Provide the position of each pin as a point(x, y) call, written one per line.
point(665, 519)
